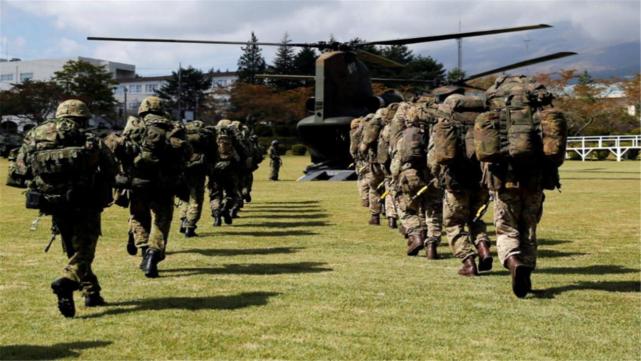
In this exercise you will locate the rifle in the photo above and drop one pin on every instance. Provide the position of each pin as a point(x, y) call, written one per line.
point(481, 211)
point(54, 232)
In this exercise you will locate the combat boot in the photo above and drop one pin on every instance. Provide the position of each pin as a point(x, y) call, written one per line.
point(248, 198)
point(227, 217)
point(415, 243)
point(468, 268)
point(190, 232)
point(143, 252)
point(375, 220)
point(521, 283)
point(218, 219)
point(485, 256)
point(63, 288)
point(150, 263)
point(131, 245)
point(183, 225)
point(432, 249)
point(391, 222)
point(234, 212)
point(94, 300)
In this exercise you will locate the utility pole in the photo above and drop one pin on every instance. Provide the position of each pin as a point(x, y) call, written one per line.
point(180, 111)
point(124, 87)
point(459, 43)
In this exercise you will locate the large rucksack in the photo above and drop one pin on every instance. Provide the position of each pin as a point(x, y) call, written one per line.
point(512, 127)
point(225, 145)
point(64, 163)
point(201, 139)
point(412, 146)
point(452, 135)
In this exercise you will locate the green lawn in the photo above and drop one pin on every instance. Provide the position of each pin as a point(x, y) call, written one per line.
point(302, 276)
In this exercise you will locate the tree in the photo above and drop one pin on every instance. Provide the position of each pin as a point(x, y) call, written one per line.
point(185, 90)
point(283, 64)
point(251, 62)
point(305, 63)
point(632, 91)
point(398, 53)
point(89, 83)
point(455, 75)
point(32, 100)
point(424, 68)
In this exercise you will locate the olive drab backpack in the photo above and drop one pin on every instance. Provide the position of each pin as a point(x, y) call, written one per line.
point(452, 135)
point(512, 127)
point(225, 144)
point(412, 146)
point(64, 162)
point(201, 140)
point(554, 130)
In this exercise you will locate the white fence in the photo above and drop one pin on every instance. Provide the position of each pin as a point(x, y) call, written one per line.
point(616, 144)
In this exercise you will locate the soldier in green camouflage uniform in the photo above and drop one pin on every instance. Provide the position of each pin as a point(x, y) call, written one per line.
point(202, 141)
point(69, 172)
point(461, 177)
point(153, 152)
point(275, 162)
point(223, 183)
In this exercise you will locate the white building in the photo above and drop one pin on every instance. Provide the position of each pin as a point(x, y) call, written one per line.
point(16, 71)
point(132, 91)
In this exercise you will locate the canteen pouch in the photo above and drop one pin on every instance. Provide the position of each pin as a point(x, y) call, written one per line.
point(487, 137)
point(554, 131)
point(523, 140)
point(34, 199)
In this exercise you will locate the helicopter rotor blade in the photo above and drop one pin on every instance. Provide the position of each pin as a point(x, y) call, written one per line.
point(377, 59)
point(285, 76)
point(523, 63)
point(186, 41)
point(426, 39)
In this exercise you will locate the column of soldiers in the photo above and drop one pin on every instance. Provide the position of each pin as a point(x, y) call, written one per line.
point(72, 175)
point(434, 164)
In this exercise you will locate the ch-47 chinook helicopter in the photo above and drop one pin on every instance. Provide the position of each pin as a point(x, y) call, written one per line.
point(343, 88)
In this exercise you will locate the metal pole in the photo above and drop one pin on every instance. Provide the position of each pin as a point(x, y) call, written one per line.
point(125, 111)
point(180, 68)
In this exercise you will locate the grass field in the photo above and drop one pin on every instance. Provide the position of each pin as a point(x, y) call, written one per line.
point(302, 276)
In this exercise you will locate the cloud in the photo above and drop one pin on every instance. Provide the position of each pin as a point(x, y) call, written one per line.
point(587, 24)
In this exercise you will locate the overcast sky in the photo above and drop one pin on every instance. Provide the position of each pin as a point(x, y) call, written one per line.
point(50, 29)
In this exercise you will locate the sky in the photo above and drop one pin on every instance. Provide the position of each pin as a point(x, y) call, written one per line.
point(53, 29)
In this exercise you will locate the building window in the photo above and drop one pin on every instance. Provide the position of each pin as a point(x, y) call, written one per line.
point(150, 88)
point(134, 105)
point(26, 76)
point(6, 77)
point(135, 88)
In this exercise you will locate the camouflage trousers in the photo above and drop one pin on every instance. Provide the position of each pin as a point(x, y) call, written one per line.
point(80, 230)
point(517, 211)
point(150, 219)
point(223, 192)
point(390, 205)
point(247, 183)
point(420, 213)
point(459, 210)
point(362, 183)
point(191, 211)
point(375, 180)
point(274, 168)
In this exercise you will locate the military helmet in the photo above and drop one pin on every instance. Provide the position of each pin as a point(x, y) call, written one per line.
point(73, 108)
point(274, 142)
point(224, 123)
point(151, 104)
point(355, 123)
point(235, 124)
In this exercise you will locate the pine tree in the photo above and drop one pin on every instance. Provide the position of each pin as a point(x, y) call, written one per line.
point(305, 62)
point(185, 91)
point(455, 75)
point(284, 64)
point(398, 53)
point(251, 62)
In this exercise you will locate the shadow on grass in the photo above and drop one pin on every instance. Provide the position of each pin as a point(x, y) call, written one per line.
point(250, 269)
point(282, 210)
point(609, 286)
point(286, 206)
point(303, 223)
point(239, 252)
point(291, 202)
point(549, 253)
point(551, 242)
point(588, 270)
point(601, 178)
point(291, 216)
point(291, 233)
point(37, 352)
point(242, 300)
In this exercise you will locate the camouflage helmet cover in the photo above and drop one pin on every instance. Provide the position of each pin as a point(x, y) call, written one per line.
point(151, 104)
point(224, 123)
point(73, 108)
point(355, 123)
point(235, 124)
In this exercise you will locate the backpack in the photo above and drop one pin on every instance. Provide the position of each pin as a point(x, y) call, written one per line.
point(412, 146)
point(512, 129)
point(225, 145)
point(554, 130)
point(200, 138)
point(453, 137)
point(64, 163)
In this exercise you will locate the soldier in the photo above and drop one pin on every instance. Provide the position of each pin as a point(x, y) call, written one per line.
point(201, 139)
point(153, 152)
point(69, 173)
point(459, 173)
point(367, 151)
point(383, 159)
point(418, 197)
point(355, 134)
point(517, 174)
point(223, 176)
point(275, 161)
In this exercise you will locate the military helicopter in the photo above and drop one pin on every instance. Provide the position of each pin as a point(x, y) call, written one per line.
point(343, 87)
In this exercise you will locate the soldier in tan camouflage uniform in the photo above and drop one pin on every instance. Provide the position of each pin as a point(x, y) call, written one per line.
point(355, 135)
point(383, 159)
point(368, 148)
point(69, 173)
